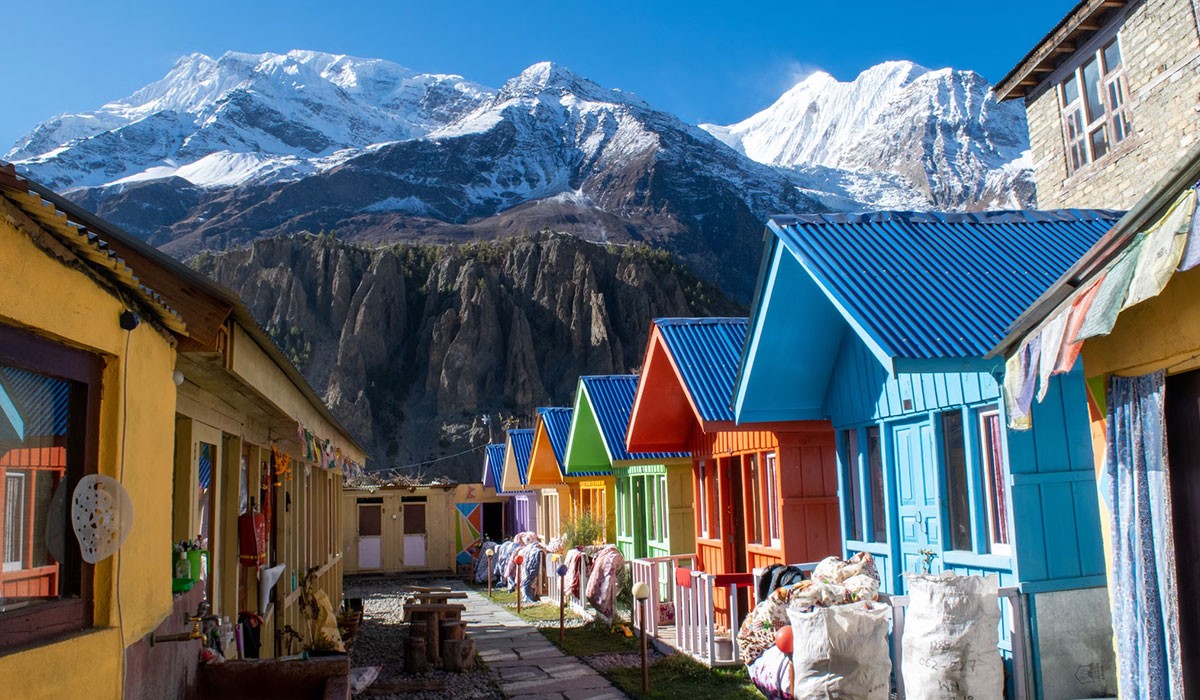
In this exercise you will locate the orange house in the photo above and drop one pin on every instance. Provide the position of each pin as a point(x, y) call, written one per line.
point(765, 494)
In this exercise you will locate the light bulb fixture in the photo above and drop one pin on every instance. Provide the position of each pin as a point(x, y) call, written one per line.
point(177, 377)
point(641, 591)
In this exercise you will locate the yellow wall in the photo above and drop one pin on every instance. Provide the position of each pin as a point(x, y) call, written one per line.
point(64, 304)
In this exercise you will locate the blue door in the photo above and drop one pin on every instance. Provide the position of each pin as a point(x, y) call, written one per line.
point(918, 504)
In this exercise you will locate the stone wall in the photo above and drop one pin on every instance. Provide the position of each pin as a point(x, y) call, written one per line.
point(1160, 44)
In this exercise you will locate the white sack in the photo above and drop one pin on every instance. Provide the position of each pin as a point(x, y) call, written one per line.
point(950, 637)
point(841, 652)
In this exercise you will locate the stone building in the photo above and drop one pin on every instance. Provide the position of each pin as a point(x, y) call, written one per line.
point(1112, 95)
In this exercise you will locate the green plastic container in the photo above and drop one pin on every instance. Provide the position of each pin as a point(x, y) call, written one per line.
point(195, 558)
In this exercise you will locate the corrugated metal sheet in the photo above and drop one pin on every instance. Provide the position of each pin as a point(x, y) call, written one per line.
point(929, 285)
point(494, 464)
point(558, 429)
point(707, 352)
point(611, 397)
point(522, 445)
point(42, 402)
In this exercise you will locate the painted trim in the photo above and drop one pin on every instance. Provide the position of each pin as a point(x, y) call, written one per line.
point(1039, 478)
point(945, 365)
point(1064, 584)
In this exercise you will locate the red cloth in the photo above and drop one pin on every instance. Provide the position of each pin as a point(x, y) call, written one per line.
point(683, 577)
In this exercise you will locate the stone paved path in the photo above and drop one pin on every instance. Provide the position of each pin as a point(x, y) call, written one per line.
point(527, 665)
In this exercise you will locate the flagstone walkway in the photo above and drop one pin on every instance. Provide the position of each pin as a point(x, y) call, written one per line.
point(526, 664)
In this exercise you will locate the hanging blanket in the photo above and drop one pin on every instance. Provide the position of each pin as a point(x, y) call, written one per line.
point(602, 585)
point(574, 564)
point(529, 571)
point(481, 564)
point(505, 555)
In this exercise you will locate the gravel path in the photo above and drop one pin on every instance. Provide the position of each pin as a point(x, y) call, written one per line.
point(380, 642)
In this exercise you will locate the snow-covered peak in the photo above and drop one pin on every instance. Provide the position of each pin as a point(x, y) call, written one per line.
point(558, 80)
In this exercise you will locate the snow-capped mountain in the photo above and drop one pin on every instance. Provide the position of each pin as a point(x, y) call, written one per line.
point(244, 118)
point(941, 130)
point(221, 152)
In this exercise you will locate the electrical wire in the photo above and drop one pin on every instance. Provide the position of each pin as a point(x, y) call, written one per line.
point(417, 465)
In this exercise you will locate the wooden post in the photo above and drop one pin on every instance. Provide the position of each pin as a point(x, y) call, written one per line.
point(518, 588)
point(645, 653)
point(562, 606)
point(414, 655)
point(489, 576)
point(458, 655)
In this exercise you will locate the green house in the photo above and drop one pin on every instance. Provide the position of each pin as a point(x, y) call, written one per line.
point(653, 501)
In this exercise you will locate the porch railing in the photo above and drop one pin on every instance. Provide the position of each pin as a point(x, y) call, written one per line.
point(696, 631)
point(657, 573)
point(577, 601)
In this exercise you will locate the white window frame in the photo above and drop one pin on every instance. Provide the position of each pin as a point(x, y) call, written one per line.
point(702, 506)
point(1115, 118)
point(664, 518)
point(989, 486)
point(19, 562)
point(772, 499)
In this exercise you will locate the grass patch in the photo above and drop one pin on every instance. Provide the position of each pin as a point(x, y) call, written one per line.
point(595, 637)
point(678, 676)
point(534, 612)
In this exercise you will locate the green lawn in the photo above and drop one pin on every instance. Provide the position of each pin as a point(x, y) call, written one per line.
point(534, 612)
point(593, 638)
point(678, 676)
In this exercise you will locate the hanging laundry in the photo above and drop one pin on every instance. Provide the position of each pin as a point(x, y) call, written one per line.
point(1013, 376)
point(1102, 316)
point(602, 584)
point(1029, 367)
point(1191, 251)
point(1069, 352)
point(1161, 252)
point(1052, 338)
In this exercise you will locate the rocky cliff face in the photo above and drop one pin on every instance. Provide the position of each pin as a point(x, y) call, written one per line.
point(412, 345)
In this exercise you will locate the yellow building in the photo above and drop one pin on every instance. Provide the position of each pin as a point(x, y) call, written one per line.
point(394, 527)
point(562, 494)
point(87, 387)
point(1131, 307)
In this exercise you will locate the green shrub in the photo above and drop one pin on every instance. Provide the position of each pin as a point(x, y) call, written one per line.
point(582, 529)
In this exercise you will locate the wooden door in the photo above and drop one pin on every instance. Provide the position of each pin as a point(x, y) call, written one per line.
point(918, 503)
point(370, 536)
point(1183, 455)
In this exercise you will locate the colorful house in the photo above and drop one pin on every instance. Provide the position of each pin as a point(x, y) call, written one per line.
point(493, 479)
point(514, 479)
point(881, 323)
point(119, 361)
point(1130, 307)
point(653, 491)
point(764, 494)
point(564, 493)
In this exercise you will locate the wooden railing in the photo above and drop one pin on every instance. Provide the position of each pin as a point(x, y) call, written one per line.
point(696, 631)
point(658, 574)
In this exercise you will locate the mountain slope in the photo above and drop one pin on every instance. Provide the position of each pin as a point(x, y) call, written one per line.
point(942, 131)
point(242, 118)
point(411, 345)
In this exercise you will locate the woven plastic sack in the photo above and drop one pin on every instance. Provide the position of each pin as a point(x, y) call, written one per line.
point(841, 652)
point(950, 637)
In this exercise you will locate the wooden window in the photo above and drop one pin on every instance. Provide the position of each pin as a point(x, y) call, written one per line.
point(853, 484)
point(663, 508)
point(992, 442)
point(876, 485)
point(954, 454)
point(652, 512)
point(772, 499)
point(702, 505)
point(754, 481)
point(49, 402)
point(1094, 105)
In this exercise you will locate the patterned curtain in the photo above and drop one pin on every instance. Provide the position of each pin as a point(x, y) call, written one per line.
point(1144, 591)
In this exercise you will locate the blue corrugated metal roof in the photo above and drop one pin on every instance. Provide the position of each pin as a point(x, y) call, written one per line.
point(494, 464)
point(929, 285)
point(522, 444)
point(42, 402)
point(611, 397)
point(707, 352)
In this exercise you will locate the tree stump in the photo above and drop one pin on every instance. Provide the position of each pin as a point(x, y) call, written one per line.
point(414, 655)
point(458, 655)
point(452, 629)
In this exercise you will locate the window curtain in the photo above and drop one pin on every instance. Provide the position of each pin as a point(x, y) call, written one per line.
point(1144, 591)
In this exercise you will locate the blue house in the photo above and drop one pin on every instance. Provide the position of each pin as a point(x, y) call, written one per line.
point(881, 323)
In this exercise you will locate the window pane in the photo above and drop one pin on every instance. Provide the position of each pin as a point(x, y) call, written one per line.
point(36, 422)
point(1070, 89)
point(1112, 56)
point(1091, 87)
point(754, 526)
point(875, 474)
point(993, 464)
point(772, 499)
point(956, 481)
point(854, 484)
point(1099, 143)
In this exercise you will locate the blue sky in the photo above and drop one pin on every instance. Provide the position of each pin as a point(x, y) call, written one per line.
point(707, 62)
